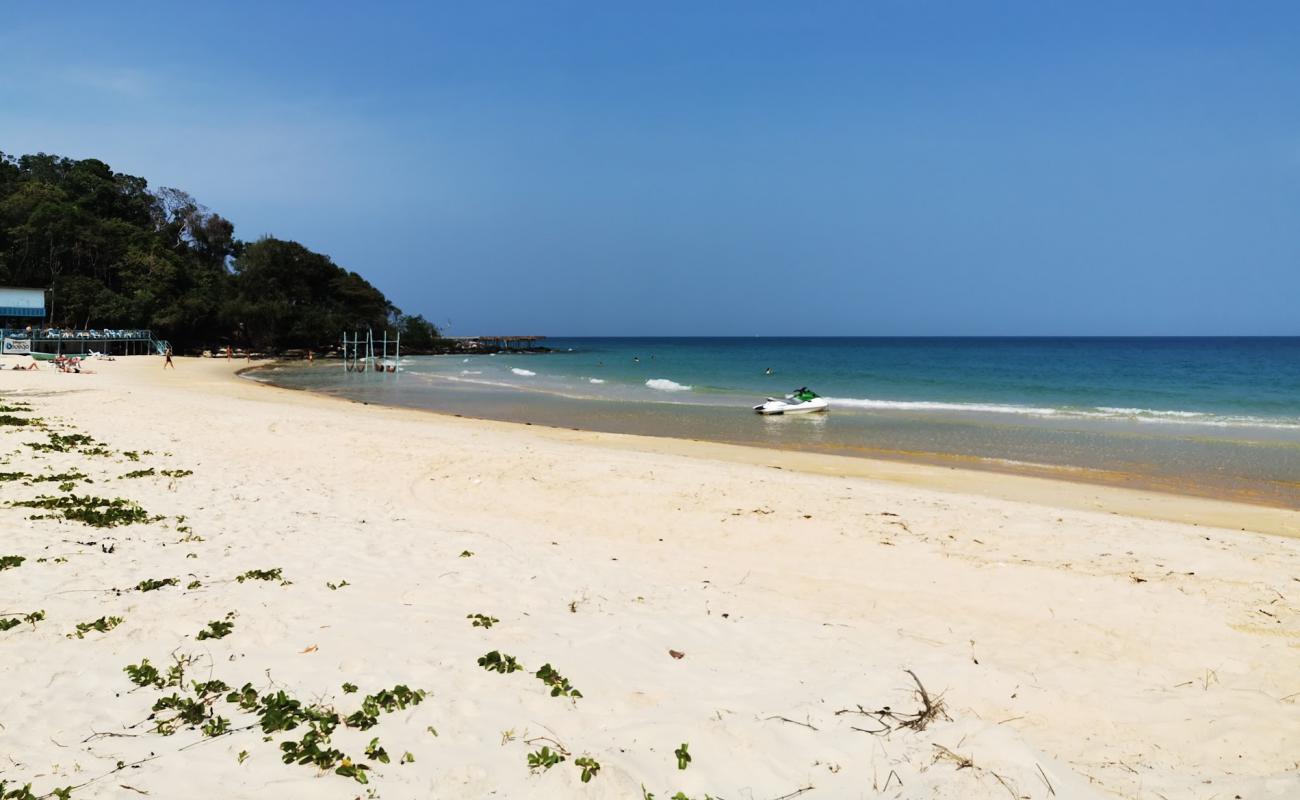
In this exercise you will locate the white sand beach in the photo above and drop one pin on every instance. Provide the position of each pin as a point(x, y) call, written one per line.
point(1076, 641)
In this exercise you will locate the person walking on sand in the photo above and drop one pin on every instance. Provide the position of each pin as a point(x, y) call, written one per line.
point(167, 354)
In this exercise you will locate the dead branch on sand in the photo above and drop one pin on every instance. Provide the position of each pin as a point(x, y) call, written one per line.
point(791, 721)
point(890, 720)
point(962, 762)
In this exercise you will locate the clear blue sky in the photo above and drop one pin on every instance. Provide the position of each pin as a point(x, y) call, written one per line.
point(911, 167)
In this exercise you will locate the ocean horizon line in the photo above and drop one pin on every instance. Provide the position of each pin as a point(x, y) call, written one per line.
point(982, 337)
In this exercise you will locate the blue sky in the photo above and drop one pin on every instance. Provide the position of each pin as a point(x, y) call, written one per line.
point(908, 167)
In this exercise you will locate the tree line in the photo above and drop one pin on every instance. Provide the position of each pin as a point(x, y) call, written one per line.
point(112, 253)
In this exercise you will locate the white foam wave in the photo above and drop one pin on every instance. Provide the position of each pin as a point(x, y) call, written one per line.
point(1145, 412)
point(477, 381)
point(665, 385)
point(1194, 418)
point(527, 373)
point(594, 380)
point(1098, 413)
point(471, 372)
point(906, 405)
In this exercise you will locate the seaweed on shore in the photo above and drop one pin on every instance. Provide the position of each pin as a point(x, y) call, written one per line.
point(218, 629)
point(559, 685)
point(103, 625)
point(13, 622)
point(496, 662)
point(194, 707)
point(97, 512)
point(25, 792)
point(66, 480)
point(71, 442)
point(264, 575)
point(62, 477)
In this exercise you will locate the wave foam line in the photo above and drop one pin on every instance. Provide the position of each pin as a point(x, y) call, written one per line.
point(665, 385)
point(1100, 413)
point(527, 373)
point(920, 405)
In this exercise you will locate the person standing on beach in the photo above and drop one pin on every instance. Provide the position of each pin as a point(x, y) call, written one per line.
point(167, 354)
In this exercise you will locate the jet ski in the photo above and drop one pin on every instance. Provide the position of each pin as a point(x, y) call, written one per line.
point(800, 401)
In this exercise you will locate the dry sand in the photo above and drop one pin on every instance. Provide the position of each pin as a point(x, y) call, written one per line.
point(1084, 645)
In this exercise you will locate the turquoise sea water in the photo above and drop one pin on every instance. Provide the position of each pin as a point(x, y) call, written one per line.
point(1213, 415)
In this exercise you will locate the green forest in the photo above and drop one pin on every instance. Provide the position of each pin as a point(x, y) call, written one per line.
point(112, 253)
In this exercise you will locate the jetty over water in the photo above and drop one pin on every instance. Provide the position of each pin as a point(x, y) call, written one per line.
point(503, 342)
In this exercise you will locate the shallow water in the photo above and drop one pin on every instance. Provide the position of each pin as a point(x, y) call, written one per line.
point(1218, 417)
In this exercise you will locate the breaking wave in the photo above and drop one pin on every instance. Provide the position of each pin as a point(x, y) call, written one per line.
point(665, 385)
point(907, 405)
point(1099, 413)
point(527, 373)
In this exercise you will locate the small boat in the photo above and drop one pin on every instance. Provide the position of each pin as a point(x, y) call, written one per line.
point(800, 401)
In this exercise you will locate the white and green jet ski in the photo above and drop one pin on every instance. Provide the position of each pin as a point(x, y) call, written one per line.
point(800, 401)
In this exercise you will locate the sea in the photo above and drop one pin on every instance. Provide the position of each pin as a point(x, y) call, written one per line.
point(1207, 416)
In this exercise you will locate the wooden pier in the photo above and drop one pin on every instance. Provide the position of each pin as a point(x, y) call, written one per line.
point(504, 342)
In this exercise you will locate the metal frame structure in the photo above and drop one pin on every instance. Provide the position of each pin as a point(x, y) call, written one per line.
point(362, 355)
point(113, 342)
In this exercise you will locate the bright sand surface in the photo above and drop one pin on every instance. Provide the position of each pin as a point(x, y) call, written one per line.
point(1086, 641)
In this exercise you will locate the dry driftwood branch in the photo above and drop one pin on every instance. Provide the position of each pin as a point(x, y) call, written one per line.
point(962, 762)
point(564, 751)
point(230, 732)
point(108, 734)
point(931, 709)
point(1050, 790)
point(1011, 791)
point(791, 721)
point(892, 776)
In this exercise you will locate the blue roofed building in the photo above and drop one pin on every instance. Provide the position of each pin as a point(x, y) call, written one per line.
point(21, 306)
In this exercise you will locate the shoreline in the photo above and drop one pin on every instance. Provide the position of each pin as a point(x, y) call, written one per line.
point(1145, 496)
point(1074, 648)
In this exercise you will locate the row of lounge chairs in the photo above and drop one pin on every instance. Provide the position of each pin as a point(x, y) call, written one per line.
point(103, 333)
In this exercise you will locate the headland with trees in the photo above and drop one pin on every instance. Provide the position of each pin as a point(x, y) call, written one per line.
point(113, 253)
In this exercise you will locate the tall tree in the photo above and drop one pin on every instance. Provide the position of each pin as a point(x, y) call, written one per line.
point(111, 253)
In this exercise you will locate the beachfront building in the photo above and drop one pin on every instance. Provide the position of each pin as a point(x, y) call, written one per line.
point(20, 308)
point(22, 331)
point(20, 304)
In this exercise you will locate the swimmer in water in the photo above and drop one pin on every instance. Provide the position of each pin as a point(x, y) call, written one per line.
point(636, 359)
point(767, 371)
